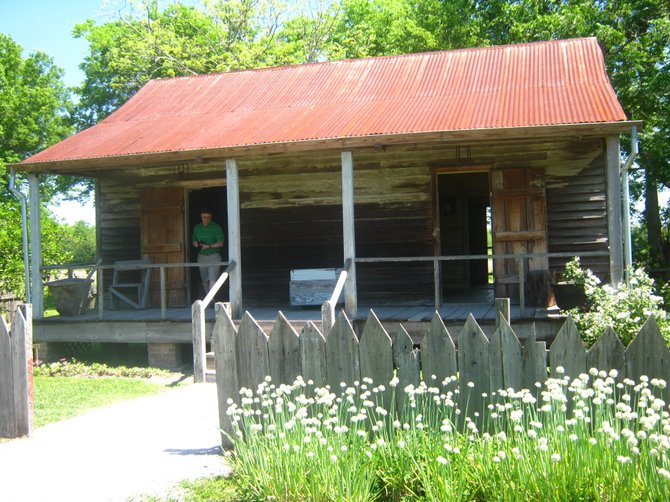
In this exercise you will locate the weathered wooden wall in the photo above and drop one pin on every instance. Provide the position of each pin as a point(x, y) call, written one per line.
point(245, 356)
point(118, 223)
point(577, 206)
point(291, 215)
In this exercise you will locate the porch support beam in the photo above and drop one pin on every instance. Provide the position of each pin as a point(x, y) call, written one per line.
point(349, 234)
point(614, 209)
point(36, 286)
point(234, 237)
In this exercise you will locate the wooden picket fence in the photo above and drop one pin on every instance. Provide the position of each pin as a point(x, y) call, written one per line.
point(16, 374)
point(244, 356)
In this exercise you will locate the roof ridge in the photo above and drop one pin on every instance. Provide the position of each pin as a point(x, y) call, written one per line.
point(370, 58)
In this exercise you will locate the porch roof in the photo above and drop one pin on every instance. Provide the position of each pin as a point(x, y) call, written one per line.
point(545, 85)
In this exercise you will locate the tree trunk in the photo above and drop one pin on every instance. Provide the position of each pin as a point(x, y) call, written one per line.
point(652, 217)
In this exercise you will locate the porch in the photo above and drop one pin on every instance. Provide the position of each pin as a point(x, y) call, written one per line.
point(174, 325)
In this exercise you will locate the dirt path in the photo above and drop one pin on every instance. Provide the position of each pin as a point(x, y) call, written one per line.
point(142, 446)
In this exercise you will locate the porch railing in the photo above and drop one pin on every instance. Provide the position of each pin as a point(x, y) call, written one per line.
point(519, 257)
point(198, 326)
point(328, 307)
point(100, 272)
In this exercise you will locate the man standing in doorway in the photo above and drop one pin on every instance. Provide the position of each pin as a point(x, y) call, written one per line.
point(208, 237)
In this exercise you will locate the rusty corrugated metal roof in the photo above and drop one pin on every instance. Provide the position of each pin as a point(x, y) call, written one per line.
point(535, 84)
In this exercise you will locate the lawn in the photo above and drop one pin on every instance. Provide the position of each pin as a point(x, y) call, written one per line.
point(58, 397)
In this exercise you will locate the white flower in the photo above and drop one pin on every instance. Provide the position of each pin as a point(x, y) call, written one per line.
point(556, 457)
point(442, 460)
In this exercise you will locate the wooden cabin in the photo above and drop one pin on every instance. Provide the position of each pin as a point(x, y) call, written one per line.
point(404, 165)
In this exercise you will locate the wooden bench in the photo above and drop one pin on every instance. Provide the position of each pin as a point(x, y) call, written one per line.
point(312, 286)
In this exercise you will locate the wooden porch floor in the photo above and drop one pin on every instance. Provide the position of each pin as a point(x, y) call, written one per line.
point(147, 326)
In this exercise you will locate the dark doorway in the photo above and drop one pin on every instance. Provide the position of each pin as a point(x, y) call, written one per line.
point(214, 199)
point(464, 223)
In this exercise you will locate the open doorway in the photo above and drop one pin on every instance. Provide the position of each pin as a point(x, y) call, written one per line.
point(464, 210)
point(214, 199)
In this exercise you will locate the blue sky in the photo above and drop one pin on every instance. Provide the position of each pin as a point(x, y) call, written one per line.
point(47, 25)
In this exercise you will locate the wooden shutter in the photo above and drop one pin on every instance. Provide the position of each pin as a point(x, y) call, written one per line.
point(519, 214)
point(163, 241)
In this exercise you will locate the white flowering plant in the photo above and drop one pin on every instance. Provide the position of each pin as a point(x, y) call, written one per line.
point(594, 437)
point(624, 307)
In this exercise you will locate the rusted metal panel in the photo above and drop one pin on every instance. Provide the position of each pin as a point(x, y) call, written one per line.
point(535, 84)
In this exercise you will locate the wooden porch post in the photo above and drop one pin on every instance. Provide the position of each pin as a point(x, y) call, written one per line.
point(614, 210)
point(234, 237)
point(36, 287)
point(349, 234)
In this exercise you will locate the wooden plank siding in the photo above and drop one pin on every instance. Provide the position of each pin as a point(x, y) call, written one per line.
point(291, 214)
point(577, 206)
point(118, 227)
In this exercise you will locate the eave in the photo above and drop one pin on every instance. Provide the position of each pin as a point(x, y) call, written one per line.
point(84, 166)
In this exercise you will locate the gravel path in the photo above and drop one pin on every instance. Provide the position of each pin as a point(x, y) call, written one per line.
point(139, 447)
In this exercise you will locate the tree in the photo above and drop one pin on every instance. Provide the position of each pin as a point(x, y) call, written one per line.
point(147, 43)
point(34, 106)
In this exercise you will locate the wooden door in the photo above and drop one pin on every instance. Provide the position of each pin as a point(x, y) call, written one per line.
point(519, 214)
point(163, 241)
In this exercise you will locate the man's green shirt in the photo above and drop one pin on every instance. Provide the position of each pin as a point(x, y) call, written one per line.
point(208, 235)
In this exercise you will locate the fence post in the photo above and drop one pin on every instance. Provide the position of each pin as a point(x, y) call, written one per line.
point(327, 317)
point(437, 283)
point(16, 375)
point(198, 326)
point(22, 351)
point(163, 298)
point(502, 308)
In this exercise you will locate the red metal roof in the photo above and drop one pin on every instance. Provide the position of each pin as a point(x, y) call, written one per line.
point(535, 84)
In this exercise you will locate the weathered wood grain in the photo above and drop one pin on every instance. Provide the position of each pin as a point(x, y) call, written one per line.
point(342, 363)
point(438, 353)
point(648, 355)
point(22, 368)
point(252, 353)
point(505, 358)
point(473, 364)
point(534, 362)
point(406, 360)
point(7, 404)
point(313, 358)
point(607, 353)
point(284, 352)
point(567, 351)
point(224, 345)
point(376, 356)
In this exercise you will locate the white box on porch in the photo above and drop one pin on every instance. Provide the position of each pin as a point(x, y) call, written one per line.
point(312, 286)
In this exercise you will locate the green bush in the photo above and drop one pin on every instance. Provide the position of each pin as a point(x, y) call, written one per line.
point(624, 307)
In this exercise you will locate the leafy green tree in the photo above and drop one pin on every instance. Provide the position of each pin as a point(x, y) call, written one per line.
point(34, 107)
point(81, 242)
point(148, 42)
point(55, 246)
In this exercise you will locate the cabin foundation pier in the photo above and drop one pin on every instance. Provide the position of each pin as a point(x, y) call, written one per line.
point(164, 355)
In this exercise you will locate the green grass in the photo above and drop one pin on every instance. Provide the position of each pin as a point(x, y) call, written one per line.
point(215, 488)
point(59, 398)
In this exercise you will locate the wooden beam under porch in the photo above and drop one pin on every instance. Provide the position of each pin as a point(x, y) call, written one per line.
point(146, 326)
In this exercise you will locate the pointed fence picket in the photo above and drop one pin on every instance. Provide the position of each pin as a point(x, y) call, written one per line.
point(246, 355)
point(16, 374)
